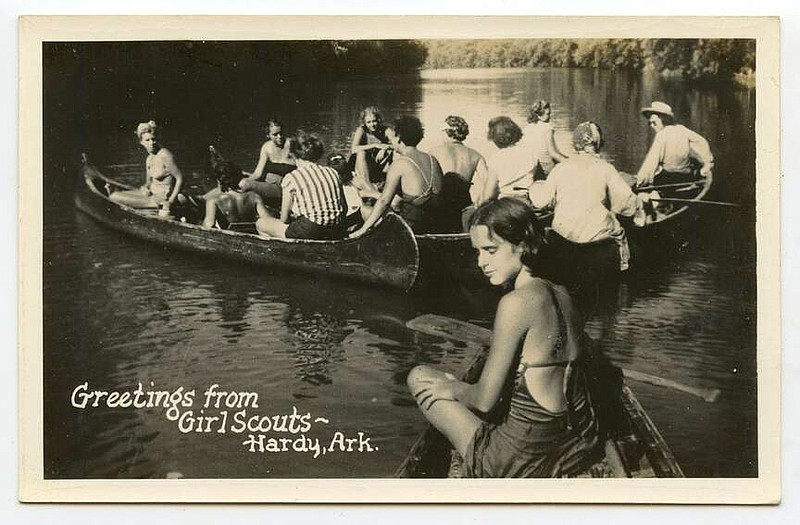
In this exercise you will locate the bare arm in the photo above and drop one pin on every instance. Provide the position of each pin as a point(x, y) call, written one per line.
point(384, 201)
point(211, 214)
point(172, 167)
point(517, 316)
point(286, 204)
point(356, 146)
point(652, 161)
point(263, 158)
point(491, 188)
point(553, 147)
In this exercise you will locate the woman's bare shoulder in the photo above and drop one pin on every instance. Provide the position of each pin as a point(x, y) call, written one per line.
point(530, 297)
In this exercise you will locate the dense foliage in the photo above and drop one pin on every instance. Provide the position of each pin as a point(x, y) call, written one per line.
point(693, 59)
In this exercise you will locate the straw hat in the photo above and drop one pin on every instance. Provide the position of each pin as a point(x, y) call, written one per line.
point(659, 108)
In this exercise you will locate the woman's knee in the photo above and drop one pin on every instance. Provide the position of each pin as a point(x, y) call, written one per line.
point(419, 374)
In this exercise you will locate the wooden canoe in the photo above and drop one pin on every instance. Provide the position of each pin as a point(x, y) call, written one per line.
point(386, 256)
point(450, 255)
point(634, 447)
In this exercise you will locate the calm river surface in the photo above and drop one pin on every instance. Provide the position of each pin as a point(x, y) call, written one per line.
point(119, 312)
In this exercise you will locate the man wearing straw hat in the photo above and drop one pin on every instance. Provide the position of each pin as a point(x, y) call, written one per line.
point(676, 150)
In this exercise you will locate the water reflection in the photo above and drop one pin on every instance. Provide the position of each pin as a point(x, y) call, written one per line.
point(118, 311)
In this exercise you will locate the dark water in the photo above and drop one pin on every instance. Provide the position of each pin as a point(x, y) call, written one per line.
point(119, 312)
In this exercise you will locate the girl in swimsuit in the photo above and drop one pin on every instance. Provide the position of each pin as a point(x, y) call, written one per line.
point(549, 428)
point(371, 151)
point(163, 179)
point(414, 179)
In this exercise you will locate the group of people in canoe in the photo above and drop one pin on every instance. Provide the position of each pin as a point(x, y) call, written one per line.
point(549, 425)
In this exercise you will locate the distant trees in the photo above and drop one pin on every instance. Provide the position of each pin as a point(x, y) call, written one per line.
point(691, 58)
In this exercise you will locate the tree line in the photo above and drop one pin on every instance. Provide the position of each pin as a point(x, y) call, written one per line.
point(689, 58)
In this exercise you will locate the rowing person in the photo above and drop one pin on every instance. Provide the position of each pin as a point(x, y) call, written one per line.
point(413, 182)
point(675, 152)
point(312, 199)
point(371, 152)
point(586, 193)
point(539, 137)
point(163, 178)
point(460, 164)
point(549, 428)
point(230, 204)
point(274, 161)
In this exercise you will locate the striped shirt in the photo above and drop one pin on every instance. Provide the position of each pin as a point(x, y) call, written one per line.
point(317, 193)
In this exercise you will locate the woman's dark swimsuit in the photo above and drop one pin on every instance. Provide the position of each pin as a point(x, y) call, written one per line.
point(419, 211)
point(532, 441)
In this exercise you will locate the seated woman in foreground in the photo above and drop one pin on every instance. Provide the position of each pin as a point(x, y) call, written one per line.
point(163, 178)
point(415, 177)
point(230, 204)
point(312, 202)
point(550, 429)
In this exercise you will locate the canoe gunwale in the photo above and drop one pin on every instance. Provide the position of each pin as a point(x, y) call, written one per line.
point(374, 258)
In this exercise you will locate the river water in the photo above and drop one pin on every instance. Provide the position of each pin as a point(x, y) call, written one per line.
point(120, 312)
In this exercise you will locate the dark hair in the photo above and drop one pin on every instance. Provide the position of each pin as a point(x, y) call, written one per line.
point(221, 171)
point(667, 120)
point(306, 146)
point(537, 110)
point(340, 163)
point(504, 132)
point(272, 122)
point(513, 221)
point(457, 128)
point(409, 130)
point(587, 134)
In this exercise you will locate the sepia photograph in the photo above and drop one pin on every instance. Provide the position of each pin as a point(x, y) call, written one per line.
point(361, 265)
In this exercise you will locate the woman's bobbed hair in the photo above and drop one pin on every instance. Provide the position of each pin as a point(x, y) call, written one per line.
point(504, 132)
point(145, 127)
point(536, 110)
point(513, 221)
point(306, 146)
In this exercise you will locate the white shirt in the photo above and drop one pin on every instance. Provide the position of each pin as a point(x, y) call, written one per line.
point(672, 150)
point(586, 193)
point(513, 167)
point(536, 137)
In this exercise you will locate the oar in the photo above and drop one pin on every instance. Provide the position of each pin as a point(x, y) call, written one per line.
point(673, 185)
point(454, 329)
point(693, 201)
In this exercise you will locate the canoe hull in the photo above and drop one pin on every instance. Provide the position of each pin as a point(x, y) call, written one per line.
point(387, 256)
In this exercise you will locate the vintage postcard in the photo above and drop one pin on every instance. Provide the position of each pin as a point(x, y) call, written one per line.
point(263, 259)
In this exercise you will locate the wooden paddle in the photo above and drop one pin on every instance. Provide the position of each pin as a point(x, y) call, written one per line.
point(456, 330)
point(673, 185)
point(693, 201)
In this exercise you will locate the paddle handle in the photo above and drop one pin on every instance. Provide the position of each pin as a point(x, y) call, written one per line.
point(693, 201)
point(673, 185)
point(708, 394)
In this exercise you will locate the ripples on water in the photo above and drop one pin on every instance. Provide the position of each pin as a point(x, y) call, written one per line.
point(119, 311)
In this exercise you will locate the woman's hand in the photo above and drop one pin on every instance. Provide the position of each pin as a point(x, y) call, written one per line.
point(437, 390)
point(145, 190)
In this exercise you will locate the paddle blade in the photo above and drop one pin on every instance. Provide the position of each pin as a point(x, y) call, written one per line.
point(449, 328)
